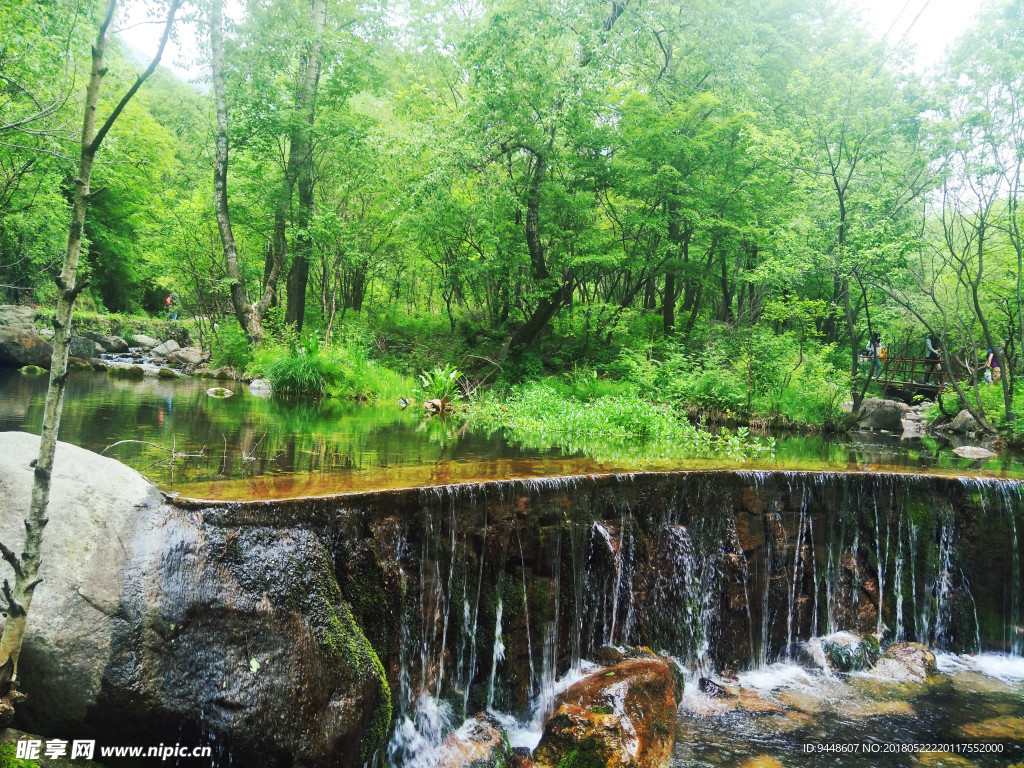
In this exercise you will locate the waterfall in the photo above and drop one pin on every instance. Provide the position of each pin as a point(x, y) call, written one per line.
point(722, 570)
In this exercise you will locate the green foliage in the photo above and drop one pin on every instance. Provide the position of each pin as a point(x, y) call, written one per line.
point(309, 368)
point(230, 347)
point(441, 383)
point(8, 759)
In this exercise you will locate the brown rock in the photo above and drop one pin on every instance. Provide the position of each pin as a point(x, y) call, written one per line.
point(21, 346)
point(623, 716)
point(478, 742)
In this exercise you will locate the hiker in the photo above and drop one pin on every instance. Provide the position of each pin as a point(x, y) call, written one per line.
point(932, 356)
point(875, 350)
point(994, 373)
point(168, 301)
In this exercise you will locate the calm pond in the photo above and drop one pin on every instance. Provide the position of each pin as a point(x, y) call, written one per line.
point(257, 447)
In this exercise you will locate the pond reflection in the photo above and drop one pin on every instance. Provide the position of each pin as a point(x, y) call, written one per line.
point(254, 447)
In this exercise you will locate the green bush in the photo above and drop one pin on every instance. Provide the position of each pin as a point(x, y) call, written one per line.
point(230, 347)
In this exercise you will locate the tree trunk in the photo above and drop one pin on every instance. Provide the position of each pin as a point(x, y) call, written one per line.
point(300, 162)
point(26, 567)
point(244, 311)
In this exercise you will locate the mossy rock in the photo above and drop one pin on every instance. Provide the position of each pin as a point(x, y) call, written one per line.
point(220, 393)
point(167, 373)
point(132, 372)
point(31, 370)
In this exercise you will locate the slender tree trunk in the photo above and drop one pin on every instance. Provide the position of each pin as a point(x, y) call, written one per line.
point(300, 162)
point(26, 566)
point(244, 311)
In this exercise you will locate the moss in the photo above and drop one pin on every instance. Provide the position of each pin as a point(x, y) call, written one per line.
point(601, 709)
point(584, 755)
point(8, 759)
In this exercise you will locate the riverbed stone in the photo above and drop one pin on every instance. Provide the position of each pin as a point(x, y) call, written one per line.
point(878, 413)
point(164, 349)
point(23, 346)
point(186, 357)
point(906, 662)
point(973, 452)
point(964, 422)
point(479, 742)
point(1007, 728)
point(261, 388)
point(619, 716)
point(843, 651)
point(83, 348)
point(109, 344)
point(126, 371)
point(143, 341)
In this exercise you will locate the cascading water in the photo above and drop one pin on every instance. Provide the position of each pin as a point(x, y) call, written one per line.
point(722, 570)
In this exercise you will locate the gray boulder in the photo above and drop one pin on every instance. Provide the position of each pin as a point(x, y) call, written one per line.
point(964, 422)
point(20, 346)
point(84, 348)
point(143, 341)
point(109, 344)
point(876, 413)
point(163, 350)
point(186, 356)
point(261, 388)
point(14, 316)
point(158, 623)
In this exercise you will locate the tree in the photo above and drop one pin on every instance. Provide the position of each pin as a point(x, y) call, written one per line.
point(26, 566)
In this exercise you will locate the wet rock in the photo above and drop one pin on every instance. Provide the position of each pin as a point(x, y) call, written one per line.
point(260, 388)
point(995, 729)
point(219, 392)
point(126, 371)
point(79, 364)
point(163, 350)
point(973, 452)
point(167, 373)
point(479, 742)
point(21, 346)
point(618, 716)
point(98, 364)
point(225, 372)
point(762, 761)
point(906, 662)
point(710, 688)
point(843, 651)
point(31, 370)
point(156, 626)
point(877, 413)
point(964, 422)
point(15, 316)
point(143, 341)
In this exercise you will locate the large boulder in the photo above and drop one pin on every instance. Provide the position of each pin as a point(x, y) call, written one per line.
point(964, 422)
point(22, 346)
point(876, 413)
point(163, 350)
point(152, 624)
point(109, 344)
point(79, 346)
point(186, 356)
point(15, 316)
point(143, 341)
point(619, 716)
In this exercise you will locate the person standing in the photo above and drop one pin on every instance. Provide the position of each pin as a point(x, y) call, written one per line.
point(932, 356)
point(993, 364)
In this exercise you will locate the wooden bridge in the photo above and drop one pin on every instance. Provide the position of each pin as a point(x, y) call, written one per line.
point(916, 375)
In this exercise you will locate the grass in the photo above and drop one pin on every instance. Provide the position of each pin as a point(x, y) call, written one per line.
point(593, 426)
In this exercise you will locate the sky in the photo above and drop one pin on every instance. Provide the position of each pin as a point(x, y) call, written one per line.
point(929, 25)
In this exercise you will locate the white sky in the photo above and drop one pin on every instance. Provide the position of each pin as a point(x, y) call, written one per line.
point(929, 25)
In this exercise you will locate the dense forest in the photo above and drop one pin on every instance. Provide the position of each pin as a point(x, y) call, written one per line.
point(717, 202)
